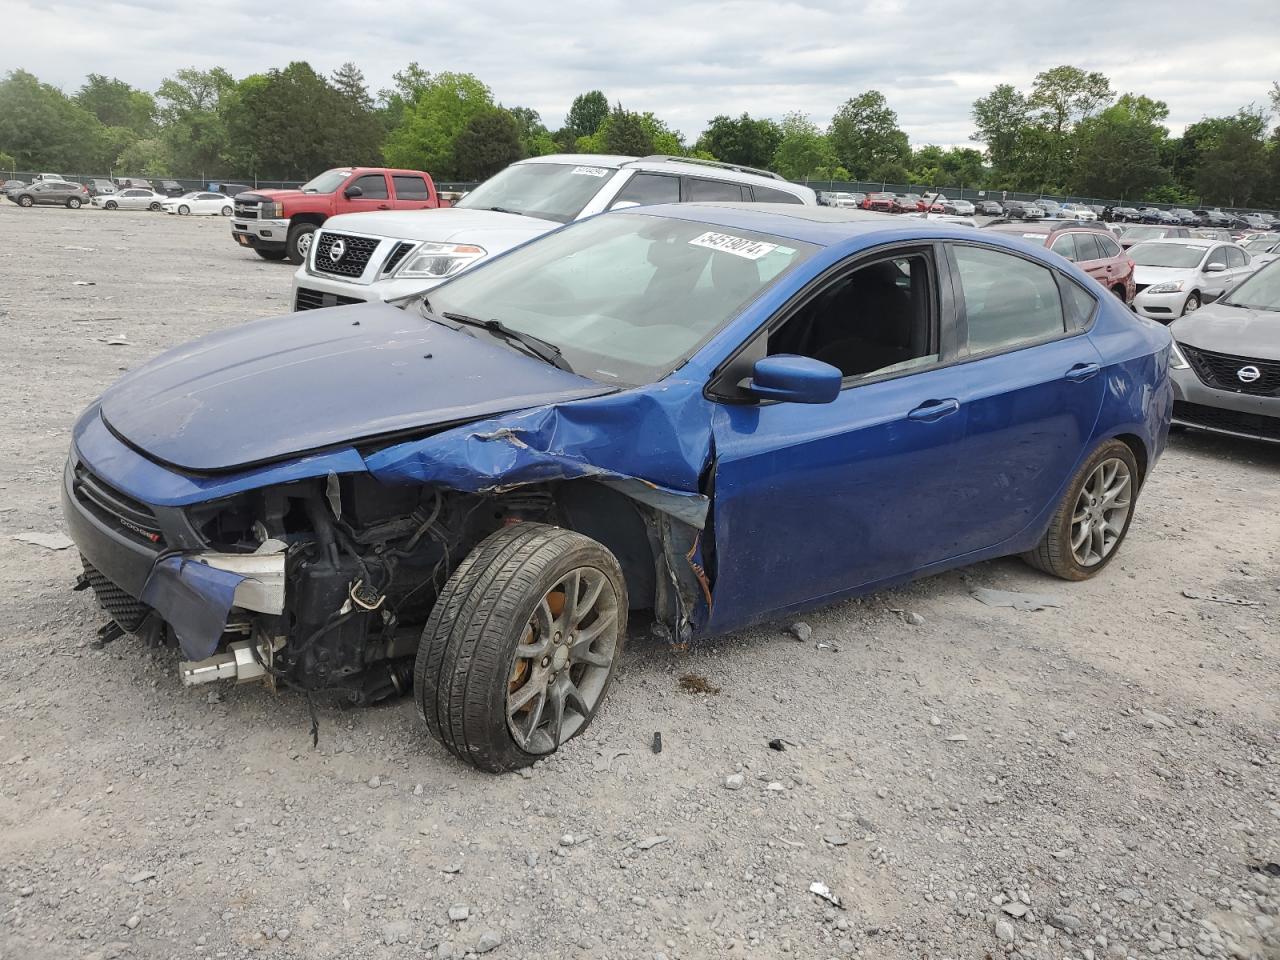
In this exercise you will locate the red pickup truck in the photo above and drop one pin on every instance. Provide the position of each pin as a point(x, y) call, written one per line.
point(278, 224)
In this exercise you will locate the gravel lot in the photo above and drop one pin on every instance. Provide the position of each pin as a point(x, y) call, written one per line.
point(1098, 779)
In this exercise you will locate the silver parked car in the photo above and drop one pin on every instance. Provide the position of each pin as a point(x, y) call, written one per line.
point(1226, 365)
point(132, 198)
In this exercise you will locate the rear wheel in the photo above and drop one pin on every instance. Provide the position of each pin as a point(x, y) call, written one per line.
point(73, 203)
point(154, 206)
point(270, 254)
point(184, 210)
point(520, 647)
point(1093, 517)
point(1192, 304)
point(298, 244)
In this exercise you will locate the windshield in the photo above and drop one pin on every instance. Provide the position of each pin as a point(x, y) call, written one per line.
point(1261, 291)
point(1261, 243)
point(1143, 233)
point(1167, 255)
point(552, 191)
point(327, 182)
point(627, 298)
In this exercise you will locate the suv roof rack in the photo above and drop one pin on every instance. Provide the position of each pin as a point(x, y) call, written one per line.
point(716, 163)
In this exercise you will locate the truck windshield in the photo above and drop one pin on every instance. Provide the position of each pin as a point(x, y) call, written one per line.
point(327, 182)
point(551, 191)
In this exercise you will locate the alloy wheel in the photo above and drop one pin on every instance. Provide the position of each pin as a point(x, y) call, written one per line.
point(561, 665)
point(1101, 512)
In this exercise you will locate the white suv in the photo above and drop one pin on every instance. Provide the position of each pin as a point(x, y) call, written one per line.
point(386, 256)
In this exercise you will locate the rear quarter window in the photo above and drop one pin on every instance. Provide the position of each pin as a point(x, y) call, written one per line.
point(411, 188)
point(770, 195)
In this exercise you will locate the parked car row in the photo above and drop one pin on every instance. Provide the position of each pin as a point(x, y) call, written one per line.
point(126, 193)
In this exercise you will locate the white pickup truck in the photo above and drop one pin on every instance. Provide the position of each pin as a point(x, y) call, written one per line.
point(359, 257)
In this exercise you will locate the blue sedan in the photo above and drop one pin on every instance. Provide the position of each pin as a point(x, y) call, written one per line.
point(720, 413)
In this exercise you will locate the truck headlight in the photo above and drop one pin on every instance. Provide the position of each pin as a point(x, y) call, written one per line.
point(271, 210)
point(1169, 286)
point(435, 261)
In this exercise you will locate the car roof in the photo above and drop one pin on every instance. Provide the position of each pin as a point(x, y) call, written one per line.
point(1185, 242)
point(681, 165)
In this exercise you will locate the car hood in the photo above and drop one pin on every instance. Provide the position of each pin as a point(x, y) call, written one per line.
point(277, 388)
point(1238, 331)
point(1154, 275)
point(446, 225)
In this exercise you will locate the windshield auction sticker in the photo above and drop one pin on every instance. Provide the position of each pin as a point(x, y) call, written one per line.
point(738, 246)
point(590, 171)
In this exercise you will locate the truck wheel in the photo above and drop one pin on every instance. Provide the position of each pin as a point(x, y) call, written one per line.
point(520, 647)
point(1093, 517)
point(298, 244)
point(270, 254)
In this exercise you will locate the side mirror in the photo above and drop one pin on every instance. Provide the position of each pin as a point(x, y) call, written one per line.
point(795, 379)
point(353, 192)
point(1215, 268)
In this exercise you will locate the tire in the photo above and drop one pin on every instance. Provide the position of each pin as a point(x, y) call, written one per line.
point(154, 206)
point(1055, 554)
point(226, 211)
point(299, 242)
point(1192, 304)
point(25, 201)
point(276, 255)
point(73, 203)
point(111, 205)
point(184, 211)
point(504, 593)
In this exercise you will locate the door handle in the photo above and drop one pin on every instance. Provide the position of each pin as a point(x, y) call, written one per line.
point(1082, 371)
point(932, 410)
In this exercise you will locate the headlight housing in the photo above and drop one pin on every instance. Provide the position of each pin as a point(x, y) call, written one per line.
point(271, 210)
point(1169, 286)
point(1177, 361)
point(435, 261)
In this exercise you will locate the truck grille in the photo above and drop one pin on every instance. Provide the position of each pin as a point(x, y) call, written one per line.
point(1222, 370)
point(353, 253)
point(123, 609)
point(306, 299)
point(118, 510)
point(246, 211)
point(1230, 421)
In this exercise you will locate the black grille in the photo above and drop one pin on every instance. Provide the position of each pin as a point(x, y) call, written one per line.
point(134, 518)
point(1222, 370)
point(306, 299)
point(1232, 421)
point(399, 253)
point(355, 253)
point(246, 211)
point(124, 609)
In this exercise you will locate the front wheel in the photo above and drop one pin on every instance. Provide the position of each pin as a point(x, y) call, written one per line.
point(226, 211)
point(1192, 304)
point(184, 210)
point(1093, 517)
point(25, 201)
point(111, 205)
point(298, 244)
point(521, 644)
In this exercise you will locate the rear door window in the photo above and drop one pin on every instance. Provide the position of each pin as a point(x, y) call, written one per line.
point(411, 188)
point(1087, 247)
point(1108, 246)
point(1218, 256)
point(1008, 301)
point(713, 191)
point(1235, 258)
point(373, 186)
point(647, 188)
point(1065, 246)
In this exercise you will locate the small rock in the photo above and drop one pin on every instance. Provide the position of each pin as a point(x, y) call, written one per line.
point(957, 738)
point(489, 940)
point(1066, 921)
point(451, 868)
point(283, 933)
point(459, 912)
point(417, 790)
point(914, 619)
point(801, 631)
point(1004, 931)
point(133, 921)
point(566, 840)
point(531, 859)
point(836, 840)
point(734, 781)
point(215, 696)
point(144, 875)
point(775, 787)
point(375, 782)
point(648, 843)
point(26, 891)
point(935, 721)
point(1016, 909)
point(1067, 736)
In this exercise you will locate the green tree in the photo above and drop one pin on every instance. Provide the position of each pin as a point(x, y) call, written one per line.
point(625, 132)
point(803, 151)
point(743, 140)
point(999, 119)
point(1119, 151)
point(535, 139)
point(489, 142)
point(145, 158)
point(587, 114)
point(7, 163)
point(1066, 95)
point(443, 107)
point(357, 132)
point(40, 127)
point(963, 167)
point(865, 137)
point(192, 103)
point(1234, 168)
point(665, 140)
point(116, 104)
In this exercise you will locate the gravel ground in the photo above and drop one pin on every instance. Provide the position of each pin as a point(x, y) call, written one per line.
point(1098, 779)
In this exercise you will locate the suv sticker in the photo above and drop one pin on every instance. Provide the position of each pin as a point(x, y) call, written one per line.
point(590, 171)
point(738, 246)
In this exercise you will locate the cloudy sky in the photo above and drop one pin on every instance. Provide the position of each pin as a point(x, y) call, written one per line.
point(687, 61)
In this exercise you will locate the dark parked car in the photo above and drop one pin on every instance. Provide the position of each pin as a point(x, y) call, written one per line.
point(232, 189)
point(1125, 215)
point(989, 208)
point(1212, 218)
point(1088, 244)
point(11, 185)
point(58, 193)
point(100, 187)
point(1226, 368)
point(1022, 210)
point(170, 188)
point(472, 515)
point(1156, 215)
point(133, 183)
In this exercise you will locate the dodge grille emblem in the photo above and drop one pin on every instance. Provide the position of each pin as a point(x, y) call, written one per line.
point(337, 251)
point(1248, 374)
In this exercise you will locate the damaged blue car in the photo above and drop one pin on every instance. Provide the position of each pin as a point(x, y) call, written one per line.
point(716, 414)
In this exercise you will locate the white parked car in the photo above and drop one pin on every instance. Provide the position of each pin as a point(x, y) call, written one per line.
point(1172, 276)
point(199, 203)
point(1076, 211)
point(56, 177)
point(375, 256)
point(130, 199)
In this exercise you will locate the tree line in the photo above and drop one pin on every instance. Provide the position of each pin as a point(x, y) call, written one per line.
point(1070, 133)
